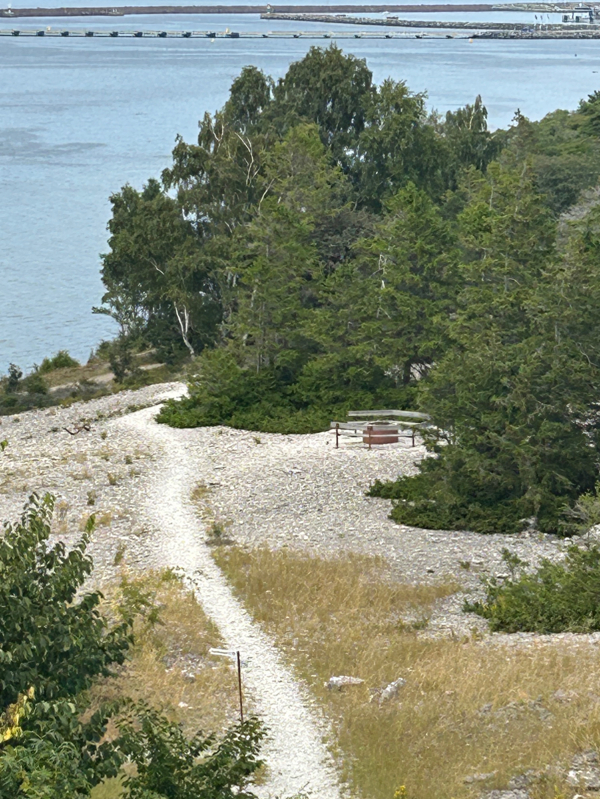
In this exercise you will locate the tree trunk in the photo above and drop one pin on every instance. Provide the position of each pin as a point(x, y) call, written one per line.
point(184, 325)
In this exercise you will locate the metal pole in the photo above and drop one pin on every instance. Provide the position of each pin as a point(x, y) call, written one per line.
point(239, 665)
point(337, 435)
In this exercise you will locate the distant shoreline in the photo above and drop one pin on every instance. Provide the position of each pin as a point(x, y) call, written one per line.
point(120, 11)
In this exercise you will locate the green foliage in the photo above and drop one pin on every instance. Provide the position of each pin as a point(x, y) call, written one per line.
point(14, 377)
point(556, 597)
point(62, 360)
point(327, 244)
point(469, 141)
point(54, 754)
point(122, 358)
point(54, 642)
point(515, 393)
point(330, 89)
point(170, 765)
point(563, 151)
point(20, 393)
point(52, 638)
point(158, 283)
point(35, 383)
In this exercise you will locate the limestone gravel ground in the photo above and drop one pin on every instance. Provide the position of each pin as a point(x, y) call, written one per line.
point(300, 491)
point(273, 490)
point(295, 752)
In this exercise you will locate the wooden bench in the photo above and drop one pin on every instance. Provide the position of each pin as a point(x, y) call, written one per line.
point(378, 429)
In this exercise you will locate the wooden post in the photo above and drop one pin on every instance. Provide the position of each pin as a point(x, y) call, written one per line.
point(369, 431)
point(239, 667)
point(337, 435)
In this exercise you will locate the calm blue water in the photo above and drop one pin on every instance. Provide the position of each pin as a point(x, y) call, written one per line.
point(79, 118)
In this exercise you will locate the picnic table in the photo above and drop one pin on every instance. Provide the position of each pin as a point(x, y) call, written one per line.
point(380, 426)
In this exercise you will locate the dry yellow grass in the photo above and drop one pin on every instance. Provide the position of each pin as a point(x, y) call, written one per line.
point(467, 708)
point(60, 377)
point(170, 666)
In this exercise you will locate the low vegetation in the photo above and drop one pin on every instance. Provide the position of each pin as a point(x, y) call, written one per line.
point(169, 665)
point(469, 709)
point(61, 380)
point(60, 736)
point(555, 598)
point(62, 360)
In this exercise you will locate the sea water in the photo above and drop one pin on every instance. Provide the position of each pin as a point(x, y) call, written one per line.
point(79, 118)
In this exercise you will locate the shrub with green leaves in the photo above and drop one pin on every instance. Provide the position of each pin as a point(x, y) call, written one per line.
point(51, 638)
point(54, 642)
point(555, 598)
point(15, 373)
point(62, 360)
point(35, 384)
point(168, 764)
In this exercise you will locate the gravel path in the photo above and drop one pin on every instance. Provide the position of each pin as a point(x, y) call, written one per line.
point(299, 491)
point(296, 755)
point(272, 490)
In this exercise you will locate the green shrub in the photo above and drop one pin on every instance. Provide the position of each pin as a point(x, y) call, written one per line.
point(167, 764)
point(54, 643)
point(433, 499)
point(62, 360)
point(476, 486)
point(557, 597)
point(278, 400)
point(14, 378)
point(50, 639)
point(35, 384)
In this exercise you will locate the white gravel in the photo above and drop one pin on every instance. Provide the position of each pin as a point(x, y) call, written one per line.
point(295, 752)
point(272, 490)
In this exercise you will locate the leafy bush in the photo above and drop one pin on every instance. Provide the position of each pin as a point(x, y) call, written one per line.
point(277, 400)
point(121, 358)
point(442, 498)
point(48, 639)
point(557, 597)
point(62, 360)
point(170, 765)
point(14, 377)
point(35, 384)
point(54, 642)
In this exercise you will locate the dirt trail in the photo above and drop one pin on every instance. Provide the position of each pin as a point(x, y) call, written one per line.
point(296, 755)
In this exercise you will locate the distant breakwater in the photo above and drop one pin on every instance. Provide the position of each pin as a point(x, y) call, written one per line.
point(272, 11)
point(394, 22)
point(441, 32)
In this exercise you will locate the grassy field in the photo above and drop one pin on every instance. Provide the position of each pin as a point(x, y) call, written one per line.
point(468, 708)
point(170, 665)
